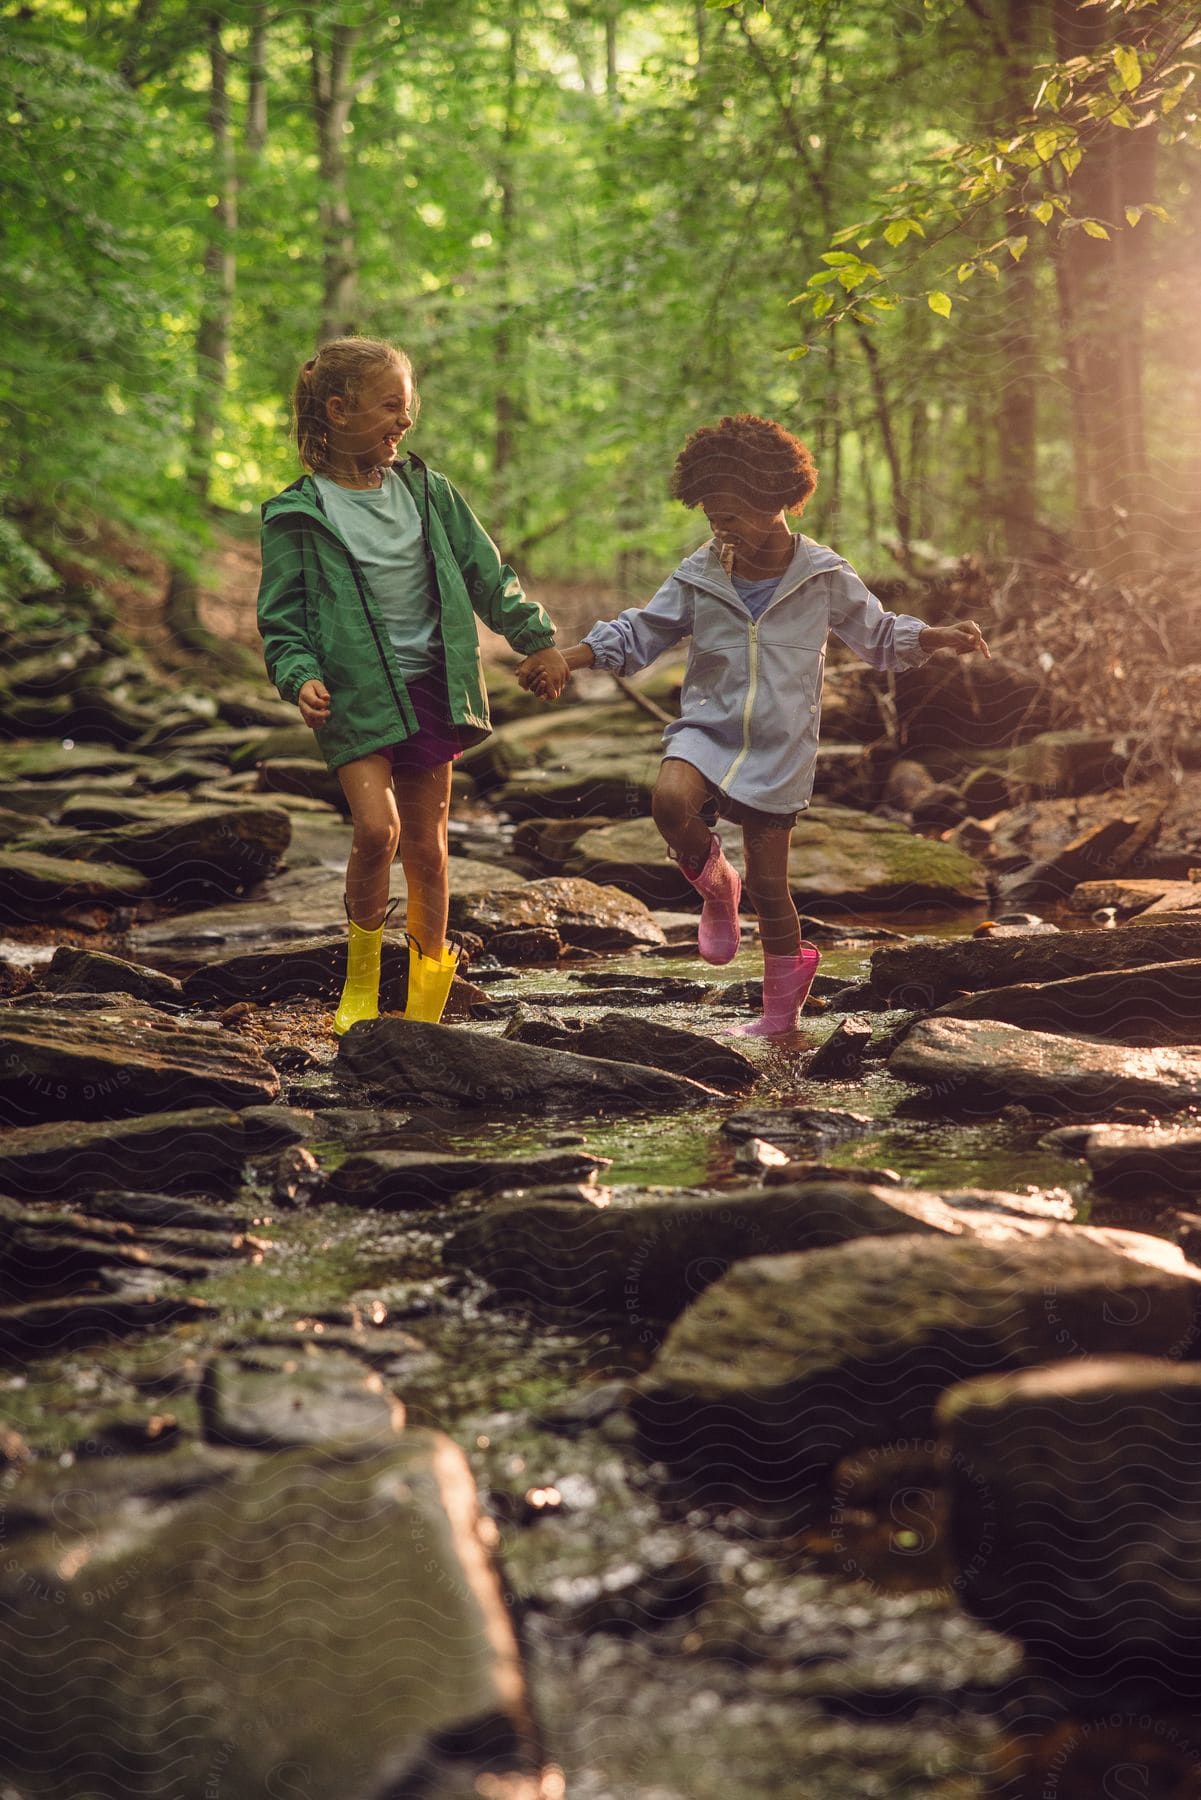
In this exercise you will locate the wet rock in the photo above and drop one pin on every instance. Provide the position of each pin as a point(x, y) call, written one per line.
point(55, 1063)
point(616, 782)
point(528, 944)
point(1159, 1003)
point(228, 1635)
point(314, 969)
point(275, 1399)
point(197, 1151)
point(303, 903)
point(1150, 899)
point(33, 883)
point(838, 857)
point(43, 1253)
point(985, 792)
point(301, 775)
point(1094, 1564)
point(648, 1261)
point(187, 849)
point(1134, 1160)
point(791, 1125)
point(581, 912)
point(395, 1180)
point(789, 1363)
point(655, 989)
point(438, 1062)
point(75, 971)
point(70, 1321)
point(624, 1037)
point(924, 975)
point(150, 1209)
point(842, 1053)
point(970, 1063)
point(14, 979)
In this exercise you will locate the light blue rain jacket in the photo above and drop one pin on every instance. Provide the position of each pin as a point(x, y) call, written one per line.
point(752, 693)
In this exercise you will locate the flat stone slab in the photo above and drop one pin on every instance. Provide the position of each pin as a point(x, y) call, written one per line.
point(839, 857)
point(651, 1259)
point(1147, 899)
point(74, 971)
point(624, 1037)
point(55, 1063)
point(306, 902)
point(1134, 1159)
point(1155, 1004)
point(226, 1641)
point(582, 912)
point(977, 1063)
point(924, 975)
point(270, 1398)
point(788, 1363)
point(395, 1180)
point(440, 1062)
point(1080, 1480)
point(32, 882)
point(198, 1151)
point(312, 969)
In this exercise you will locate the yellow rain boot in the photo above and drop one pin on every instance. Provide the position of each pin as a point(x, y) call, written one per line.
point(360, 994)
point(429, 981)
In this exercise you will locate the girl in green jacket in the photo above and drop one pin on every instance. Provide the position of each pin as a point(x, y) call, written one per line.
point(374, 568)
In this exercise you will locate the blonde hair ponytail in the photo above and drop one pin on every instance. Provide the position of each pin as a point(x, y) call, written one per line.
point(339, 367)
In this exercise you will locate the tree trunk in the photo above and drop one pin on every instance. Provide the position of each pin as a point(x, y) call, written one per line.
point(1102, 295)
point(256, 102)
point(1017, 408)
point(333, 96)
point(212, 343)
point(508, 407)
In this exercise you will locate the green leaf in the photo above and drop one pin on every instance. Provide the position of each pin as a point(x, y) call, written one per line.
point(990, 268)
point(1094, 228)
point(1122, 115)
point(1133, 214)
point(939, 303)
point(839, 259)
point(1044, 212)
point(1016, 247)
point(1158, 212)
point(822, 304)
point(796, 355)
point(1046, 142)
point(1070, 159)
point(1128, 66)
point(883, 301)
point(965, 271)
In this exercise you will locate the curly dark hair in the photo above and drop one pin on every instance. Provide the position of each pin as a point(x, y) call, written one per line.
point(754, 459)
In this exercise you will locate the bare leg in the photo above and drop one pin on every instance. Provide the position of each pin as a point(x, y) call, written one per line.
point(423, 801)
point(680, 792)
point(766, 848)
point(367, 784)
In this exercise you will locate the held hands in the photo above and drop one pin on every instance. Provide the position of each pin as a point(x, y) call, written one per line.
point(313, 701)
point(545, 674)
point(965, 640)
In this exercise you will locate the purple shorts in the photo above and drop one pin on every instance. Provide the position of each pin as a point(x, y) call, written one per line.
point(436, 740)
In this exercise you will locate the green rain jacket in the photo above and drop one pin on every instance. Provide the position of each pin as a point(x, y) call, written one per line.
point(319, 620)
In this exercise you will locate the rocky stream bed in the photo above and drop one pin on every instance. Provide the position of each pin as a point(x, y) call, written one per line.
point(567, 1400)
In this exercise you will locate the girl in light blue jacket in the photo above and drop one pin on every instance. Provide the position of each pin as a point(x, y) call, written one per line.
point(758, 602)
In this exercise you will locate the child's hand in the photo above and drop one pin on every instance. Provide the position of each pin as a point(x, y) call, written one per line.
point(545, 674)
point(313, 701)
point(965, 640)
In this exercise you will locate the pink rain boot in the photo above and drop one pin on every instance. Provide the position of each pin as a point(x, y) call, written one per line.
point(720, 886)
point(786, 984)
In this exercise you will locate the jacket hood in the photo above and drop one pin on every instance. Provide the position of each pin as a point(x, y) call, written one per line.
point(300, 496)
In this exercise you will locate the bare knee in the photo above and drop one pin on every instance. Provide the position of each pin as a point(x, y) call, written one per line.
point(375, 839)
point(426, 850)
point(674, 809)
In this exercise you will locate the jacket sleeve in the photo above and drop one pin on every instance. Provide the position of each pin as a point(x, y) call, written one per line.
point(885, 640)
point(494, 590)
point(287, 649)
point(637, 636)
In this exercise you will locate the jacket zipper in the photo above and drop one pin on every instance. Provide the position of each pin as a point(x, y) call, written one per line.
point(748, 705)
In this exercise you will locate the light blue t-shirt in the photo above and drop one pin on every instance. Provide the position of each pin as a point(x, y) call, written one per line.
point(756, 595)
point(381, 528)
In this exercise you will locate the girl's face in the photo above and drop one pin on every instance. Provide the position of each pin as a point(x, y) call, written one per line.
point(368, 432)
point(739, 527)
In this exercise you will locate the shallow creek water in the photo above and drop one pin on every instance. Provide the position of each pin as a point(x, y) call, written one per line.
point(672, 1655)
